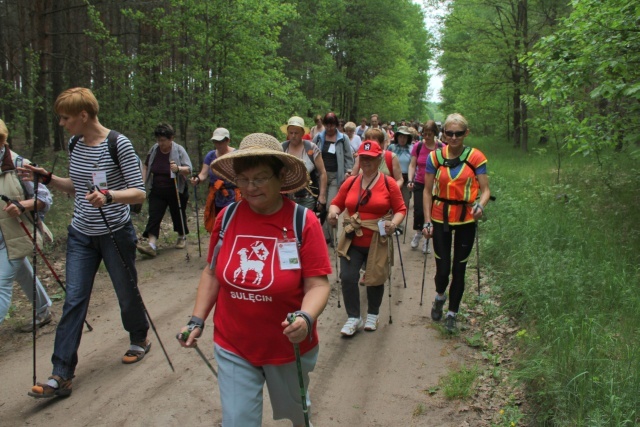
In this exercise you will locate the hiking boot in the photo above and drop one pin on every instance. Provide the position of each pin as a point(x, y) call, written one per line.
point(450, 324)
point(425, 247)
point(146, 249)
point(415, 241)
point(353, 325)
point(372, 322)
point(436, 308)
point(41, 320)
point(181, 242)
point(46, 391)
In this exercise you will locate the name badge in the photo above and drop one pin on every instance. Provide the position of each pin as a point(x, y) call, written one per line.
point(100, 179)
point(288, 255)
point(332, 148)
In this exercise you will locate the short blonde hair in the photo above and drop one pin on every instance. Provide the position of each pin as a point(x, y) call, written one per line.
point(349, 126)
point(76, 100)
point(375, 135)
point(456, 118)
point(4, 133)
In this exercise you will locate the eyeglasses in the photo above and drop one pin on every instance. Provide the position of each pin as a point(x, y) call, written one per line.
point(258, 182)
point(458, 134)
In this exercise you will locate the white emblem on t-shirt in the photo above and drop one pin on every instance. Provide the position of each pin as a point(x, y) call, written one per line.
point(247, 265)
point(251, 265)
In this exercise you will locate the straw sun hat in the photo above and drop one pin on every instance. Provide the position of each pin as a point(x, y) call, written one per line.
point(295, 177)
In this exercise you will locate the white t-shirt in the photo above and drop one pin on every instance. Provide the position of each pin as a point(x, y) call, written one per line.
point(355, 143)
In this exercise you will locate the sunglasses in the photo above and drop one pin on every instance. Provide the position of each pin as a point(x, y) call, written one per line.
point(364, 197)
point(458, 134)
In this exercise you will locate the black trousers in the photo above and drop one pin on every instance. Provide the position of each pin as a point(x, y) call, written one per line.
point(159, 200)
point(462, 247)
point(418, 209)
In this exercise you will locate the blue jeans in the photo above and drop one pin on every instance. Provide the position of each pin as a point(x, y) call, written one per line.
point(21, 271)
point(84, 254)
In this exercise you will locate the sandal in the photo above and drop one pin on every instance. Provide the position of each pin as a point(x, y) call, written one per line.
point(136, 352)
point(45, 391)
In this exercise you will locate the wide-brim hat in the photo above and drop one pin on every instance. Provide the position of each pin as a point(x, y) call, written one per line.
point(404, 130)
point(295, 177)
point(294, 121)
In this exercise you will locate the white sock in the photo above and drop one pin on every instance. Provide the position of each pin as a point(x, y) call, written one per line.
point(451, 314)
point(441, 298)
point(53, 383)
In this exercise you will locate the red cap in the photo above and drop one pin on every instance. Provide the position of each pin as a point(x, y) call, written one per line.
point(369, 148)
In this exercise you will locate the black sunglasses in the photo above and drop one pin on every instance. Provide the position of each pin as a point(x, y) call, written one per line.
point(365, 198)
point(458, 134)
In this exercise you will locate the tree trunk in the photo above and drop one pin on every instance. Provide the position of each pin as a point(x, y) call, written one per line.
point(41, 28)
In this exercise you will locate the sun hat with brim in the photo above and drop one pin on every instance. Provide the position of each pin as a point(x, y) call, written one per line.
point(295, 177)
point(404, 130)
point(369, 148)
point(294, 121)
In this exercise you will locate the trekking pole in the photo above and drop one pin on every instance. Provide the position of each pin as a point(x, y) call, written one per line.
point(406, 222)
point(389, 246)
point(401, 263)
point(335, 254)
point(46, 261)
point(91, 189)
point(184, 230)
point(183, 337)
point(478, 257)
point(36, 181)
point(296, 348)
point(195, 196)
point(424, 268)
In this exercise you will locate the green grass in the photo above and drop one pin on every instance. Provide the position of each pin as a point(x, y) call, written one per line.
point(458, 384)
point(564, 259)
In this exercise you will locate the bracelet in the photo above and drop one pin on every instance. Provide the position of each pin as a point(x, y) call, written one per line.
point(46, 179)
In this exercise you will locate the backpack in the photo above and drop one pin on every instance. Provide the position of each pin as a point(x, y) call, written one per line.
point(112, 144)
point(299, 221)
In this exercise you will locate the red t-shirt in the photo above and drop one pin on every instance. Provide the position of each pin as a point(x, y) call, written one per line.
point(380, 202)
point(255, 293)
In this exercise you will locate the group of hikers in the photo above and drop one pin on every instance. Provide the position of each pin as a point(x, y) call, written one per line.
point(270, 206)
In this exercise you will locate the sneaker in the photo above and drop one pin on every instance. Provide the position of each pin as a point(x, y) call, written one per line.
point(181, 242)
point(450, 324)
point(353, 325)
point(425, 247)
point(436, 308)
point(46, 391)
point(415, 241)
point(146, 249)
point(41, 320)
point(372, 322)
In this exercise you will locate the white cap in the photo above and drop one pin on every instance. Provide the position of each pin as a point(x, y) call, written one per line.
point(220, 134)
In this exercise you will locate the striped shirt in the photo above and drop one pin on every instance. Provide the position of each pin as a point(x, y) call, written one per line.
point(87, 160)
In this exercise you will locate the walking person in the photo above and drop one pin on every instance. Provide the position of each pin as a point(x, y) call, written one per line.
point(221, 192)
point(362, 128)
point(369, 201)
point(460, 195)
point(419, 154)
point(267, 266)
point(310, 154)
point(401, 147)
point(318, 127)
point(390, 165)
point(165, 172)
point(15, 244)
point(354, 139)
point(337, 157)
point(90, 241)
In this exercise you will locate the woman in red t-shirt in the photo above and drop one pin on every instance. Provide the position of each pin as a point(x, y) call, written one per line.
point(262, 266)
point(371, 201)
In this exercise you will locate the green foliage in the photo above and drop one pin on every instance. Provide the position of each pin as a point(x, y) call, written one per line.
point(586, 76)
point(566, 259)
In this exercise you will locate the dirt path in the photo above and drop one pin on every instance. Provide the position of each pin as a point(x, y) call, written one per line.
point(372, 379)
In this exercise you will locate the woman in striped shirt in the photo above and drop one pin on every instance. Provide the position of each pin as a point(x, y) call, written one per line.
point(115, 171)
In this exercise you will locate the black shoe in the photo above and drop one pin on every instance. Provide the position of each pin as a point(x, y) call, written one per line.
point(436, 309)
point(450, 324)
